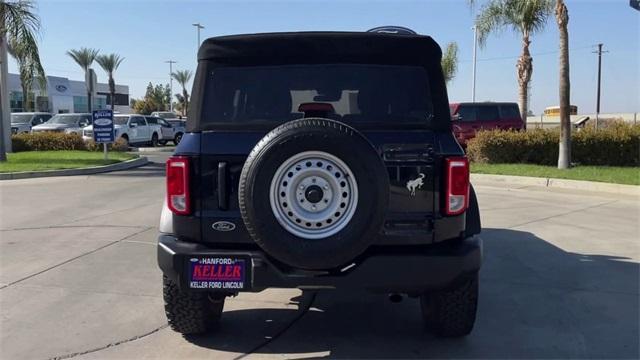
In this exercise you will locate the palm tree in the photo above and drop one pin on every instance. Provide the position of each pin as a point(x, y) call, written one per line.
point(524, 16)
point(19, 25)
point(183, 77)
point(29, 71)
point(109, 64)
point(564, 154)
point(450, 61)
point(84, 57)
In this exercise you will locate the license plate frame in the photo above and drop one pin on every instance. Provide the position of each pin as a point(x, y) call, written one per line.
point(229, 273)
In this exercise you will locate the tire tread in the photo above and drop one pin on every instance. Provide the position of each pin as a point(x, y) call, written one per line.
point(452, 312)
point(190, 312)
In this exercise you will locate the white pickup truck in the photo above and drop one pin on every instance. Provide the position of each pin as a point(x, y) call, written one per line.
point(172, 129)
point(133, 128)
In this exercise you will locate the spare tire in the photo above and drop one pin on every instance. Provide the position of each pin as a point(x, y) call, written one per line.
point(313, 193)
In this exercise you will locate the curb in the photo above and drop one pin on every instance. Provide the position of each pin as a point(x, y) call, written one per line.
point(152, 150)
point(559, 183)
point(124, 165)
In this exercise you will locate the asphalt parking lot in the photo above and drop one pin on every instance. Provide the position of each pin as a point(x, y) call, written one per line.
point(78, 279)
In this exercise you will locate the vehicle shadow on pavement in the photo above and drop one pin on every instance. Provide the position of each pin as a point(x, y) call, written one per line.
point(148, 170)
point(536, 301)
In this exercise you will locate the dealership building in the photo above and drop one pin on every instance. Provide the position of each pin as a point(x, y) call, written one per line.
point(66, 96)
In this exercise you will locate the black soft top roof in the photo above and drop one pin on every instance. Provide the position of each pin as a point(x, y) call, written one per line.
point(320, 47)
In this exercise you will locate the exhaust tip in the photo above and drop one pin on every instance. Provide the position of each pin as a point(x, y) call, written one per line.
point(395, 298)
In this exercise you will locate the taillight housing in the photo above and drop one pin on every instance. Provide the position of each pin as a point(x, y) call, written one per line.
point(178, 196)
point(456, 193)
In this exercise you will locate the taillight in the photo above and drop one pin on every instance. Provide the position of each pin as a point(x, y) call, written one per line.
point(457, 185)
point(178, 198)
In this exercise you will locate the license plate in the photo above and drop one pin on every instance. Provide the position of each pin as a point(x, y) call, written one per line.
point(219, 273)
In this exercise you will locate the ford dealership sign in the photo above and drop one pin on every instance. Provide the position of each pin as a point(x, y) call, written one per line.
point(103, 126)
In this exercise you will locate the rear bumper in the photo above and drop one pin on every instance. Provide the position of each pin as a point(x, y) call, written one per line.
point(433, 267)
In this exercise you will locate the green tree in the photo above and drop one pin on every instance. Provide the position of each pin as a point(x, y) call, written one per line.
point(523, 16)
point(564, 153)
point(183, 77)
point(109, 63)
point(179, 105)
point(155, 99)
point(84, 57)
point(166, 97)
point(450, 61)
point(144, 107)
point(19, 26)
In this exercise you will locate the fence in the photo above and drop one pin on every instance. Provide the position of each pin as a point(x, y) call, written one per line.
point(546, 122)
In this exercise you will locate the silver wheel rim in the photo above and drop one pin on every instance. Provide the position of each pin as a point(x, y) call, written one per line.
point(300, 207)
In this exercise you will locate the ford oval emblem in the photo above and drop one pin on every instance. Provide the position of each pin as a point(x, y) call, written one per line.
point(102, 122)
point(61, 88)
point(223, 226)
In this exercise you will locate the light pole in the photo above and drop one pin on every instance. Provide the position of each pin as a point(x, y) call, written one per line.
point(171, 62)
point(198, 27)
point(475, 49)
point(599, 52)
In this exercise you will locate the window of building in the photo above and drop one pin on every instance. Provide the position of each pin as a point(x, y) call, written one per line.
point(80, 104)
point(121, 99)
point(15, 101)
point(99, 103)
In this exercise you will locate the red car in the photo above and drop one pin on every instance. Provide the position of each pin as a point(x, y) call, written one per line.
point(470, 117)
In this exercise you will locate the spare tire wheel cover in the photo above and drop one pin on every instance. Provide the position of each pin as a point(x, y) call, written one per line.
point(313, 193)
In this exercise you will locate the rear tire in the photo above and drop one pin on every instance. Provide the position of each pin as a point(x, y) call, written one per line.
point(126, 140)
point(177, 139)
point(154, 140)
point(451, 312)
point(190, 312)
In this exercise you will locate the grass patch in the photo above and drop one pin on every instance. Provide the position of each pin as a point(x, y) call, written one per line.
point(53, 160)
point(609, 174)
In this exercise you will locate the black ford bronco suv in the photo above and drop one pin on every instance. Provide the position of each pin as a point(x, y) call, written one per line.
point(320, 160)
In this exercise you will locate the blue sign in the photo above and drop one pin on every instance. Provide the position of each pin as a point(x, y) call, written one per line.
point(103, 126)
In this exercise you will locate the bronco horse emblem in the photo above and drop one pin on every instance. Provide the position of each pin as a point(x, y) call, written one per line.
point(412, 185)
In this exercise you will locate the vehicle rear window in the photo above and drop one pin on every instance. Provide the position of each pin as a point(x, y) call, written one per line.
point(358, 93)
point(21, 118)
point(66, 119)
point(175, 123)
point(510, 111)
point(488, 113)
point(467, 113)
point(120, 120)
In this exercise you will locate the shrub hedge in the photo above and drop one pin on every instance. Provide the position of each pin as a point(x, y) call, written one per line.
point(616, 145)
point(46, 141)
point(118, 145)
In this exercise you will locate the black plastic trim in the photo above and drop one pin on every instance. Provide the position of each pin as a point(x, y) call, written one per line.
point(222, 186)
point(414, 271)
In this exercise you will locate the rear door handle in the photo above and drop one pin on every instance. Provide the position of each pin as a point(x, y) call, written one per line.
point(222, 186)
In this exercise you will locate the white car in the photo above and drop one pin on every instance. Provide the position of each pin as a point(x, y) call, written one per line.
point(132, 128)
point(172, 129)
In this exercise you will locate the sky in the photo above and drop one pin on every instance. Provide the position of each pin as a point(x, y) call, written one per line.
point(148, 33)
